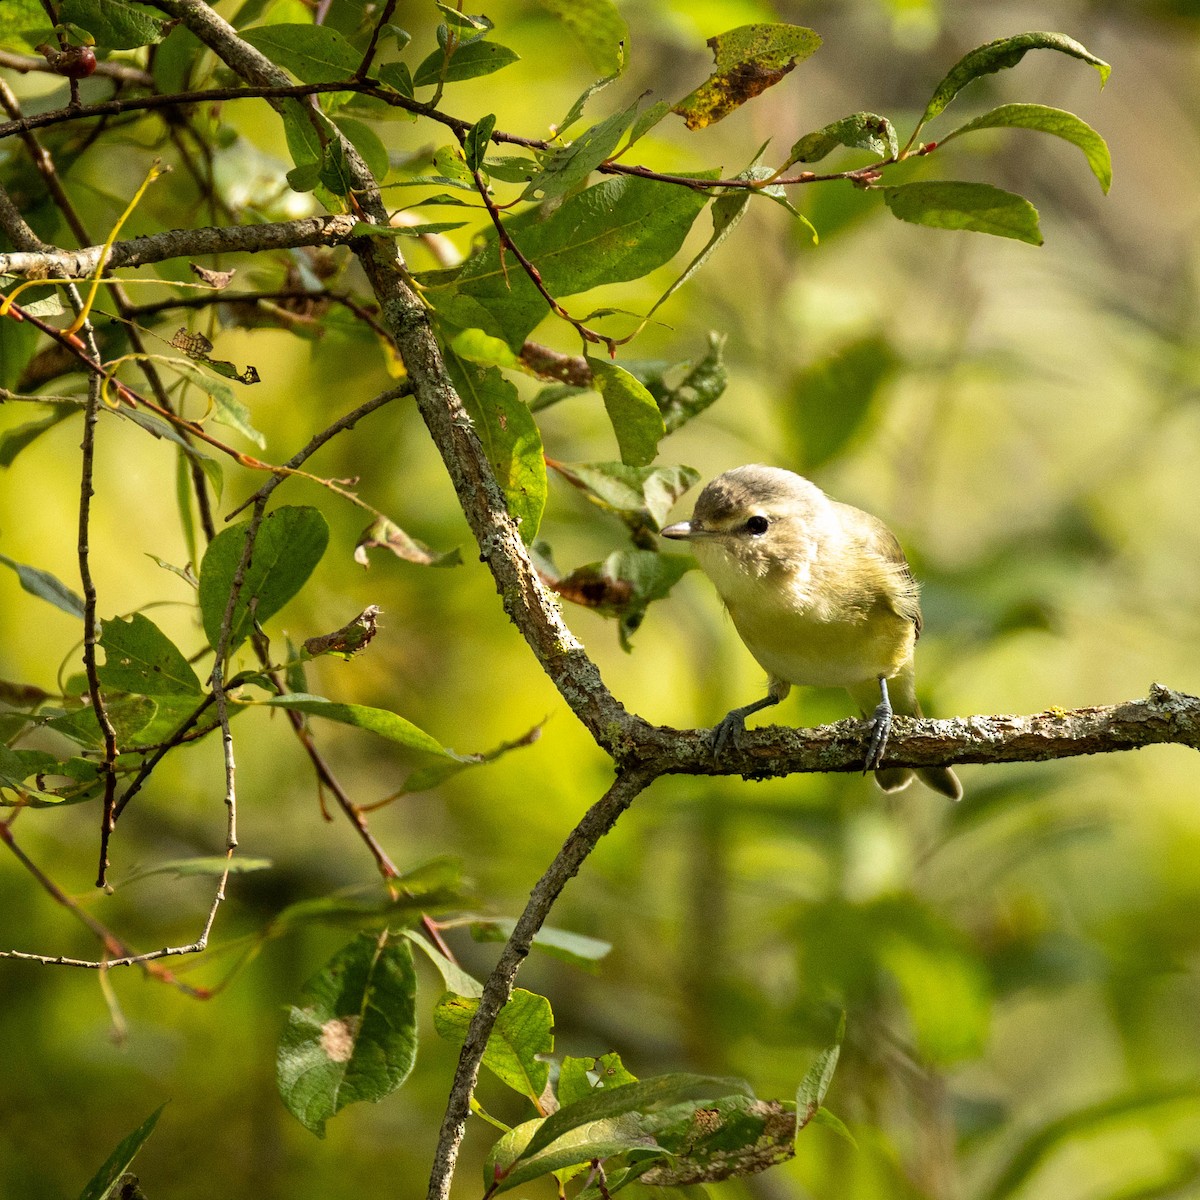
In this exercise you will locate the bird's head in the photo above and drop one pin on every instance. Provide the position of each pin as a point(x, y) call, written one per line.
point(755, 521)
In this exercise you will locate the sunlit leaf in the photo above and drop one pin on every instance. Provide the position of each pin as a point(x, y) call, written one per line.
point(575, 948)
point(600, 29)
point(950, 204)
point(375, 720)
point(510, 436)
point(570, 165)
point(523, 1031)
point(635, 417)
point(1003, 53)
point(1048, 120)
point(612, 232)
point(647, 493)
point(115, 24)
point(467, 62)
point(748, 60)
point(859, 131)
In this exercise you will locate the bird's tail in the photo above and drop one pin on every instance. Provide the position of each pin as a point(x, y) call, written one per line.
point(902, 693)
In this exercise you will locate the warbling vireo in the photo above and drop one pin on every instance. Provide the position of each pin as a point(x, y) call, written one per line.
point(821, 594)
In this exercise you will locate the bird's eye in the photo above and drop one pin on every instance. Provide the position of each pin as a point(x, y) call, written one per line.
point(757, 525)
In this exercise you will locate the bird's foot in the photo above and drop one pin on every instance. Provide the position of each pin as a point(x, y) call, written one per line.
point(727, 731)
point(879, 728)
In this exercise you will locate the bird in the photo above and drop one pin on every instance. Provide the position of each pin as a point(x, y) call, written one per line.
point(822, 596)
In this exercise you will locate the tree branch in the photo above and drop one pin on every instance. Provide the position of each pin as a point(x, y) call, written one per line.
point(325, 230)
point(1165, 717)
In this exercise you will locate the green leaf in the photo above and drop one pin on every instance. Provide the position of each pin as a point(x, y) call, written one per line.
point(482, 348)
point(859, 131)
point(645, 1096)
point(140, 658)
point(203, 866)
point(832, 400)
point(1000, 54)
point(614, 231)
point(600, 29)
point(810, 1095)
point(456, 979)
point(684, 390)
point(313, 53)
point(634, 415)
point(228, 410)
point(1048, 120)
point(17, 766)
point(46, 587)
point(432, 887)
point(570, 165)
point(396, 75)
point(749, 60)
point(366, 141)
point(575, 948)
point(523, 1030)
point(510, 436)
point(128, 714)
point(300, 128)
point(290, 543)
point(949, 204)
point(645, 493)
point(575, 1077)
point(353, 1036)
point(468, 61)
point(476, 141)
point(824, 1117)
point(386, 534)
point(727, 212)
point(115, 24)
point(118, 1162)
point(375, 720)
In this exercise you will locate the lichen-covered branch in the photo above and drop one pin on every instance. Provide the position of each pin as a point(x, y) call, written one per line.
point(325, 230)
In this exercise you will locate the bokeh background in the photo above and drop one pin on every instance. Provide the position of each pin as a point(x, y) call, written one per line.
point(1019, 973)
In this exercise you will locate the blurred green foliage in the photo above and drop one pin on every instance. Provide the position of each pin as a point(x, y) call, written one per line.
point(1019, 974)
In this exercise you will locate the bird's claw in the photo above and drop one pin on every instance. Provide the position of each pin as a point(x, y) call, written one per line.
point(729, 729)
point(879, 727)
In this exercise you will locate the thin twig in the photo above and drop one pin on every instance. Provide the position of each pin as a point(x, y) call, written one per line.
point(384, 17)
point(596, 822)
point(118, 954)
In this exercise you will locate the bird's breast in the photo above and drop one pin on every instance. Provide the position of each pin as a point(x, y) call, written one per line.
point(816, 637)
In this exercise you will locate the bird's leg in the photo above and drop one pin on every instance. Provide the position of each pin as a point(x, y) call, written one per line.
point(880, 726)
point(733, 724)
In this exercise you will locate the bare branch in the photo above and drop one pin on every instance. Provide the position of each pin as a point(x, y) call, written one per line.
point(597, 821)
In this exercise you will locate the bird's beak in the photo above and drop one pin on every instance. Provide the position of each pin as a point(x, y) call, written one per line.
point(683, 530)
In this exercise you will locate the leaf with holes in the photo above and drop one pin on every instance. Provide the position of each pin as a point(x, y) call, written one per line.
point(748, 60)
point(523, 1031)
point(140, 658)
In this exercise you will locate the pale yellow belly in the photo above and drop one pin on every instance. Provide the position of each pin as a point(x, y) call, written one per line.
point(814, 653)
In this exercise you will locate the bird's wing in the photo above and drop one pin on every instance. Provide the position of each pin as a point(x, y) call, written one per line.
point(879, 540)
